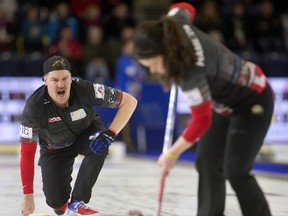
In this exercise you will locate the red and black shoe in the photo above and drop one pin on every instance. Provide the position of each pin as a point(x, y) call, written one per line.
point(61, 210)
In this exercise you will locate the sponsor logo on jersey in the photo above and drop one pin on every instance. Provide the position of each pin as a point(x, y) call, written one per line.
point(99, 91)
point(222, 109)
point(26, 132)
point(253, 77)
point(78, 114)
point(46, 101)
point(54, 119)
point(199, 52)
point(112, 96)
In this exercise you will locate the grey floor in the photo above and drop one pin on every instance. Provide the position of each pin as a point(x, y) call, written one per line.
point(130, 183)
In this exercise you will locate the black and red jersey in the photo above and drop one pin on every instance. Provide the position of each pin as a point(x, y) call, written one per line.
point(60, 127)
point(218, 79)
point(218, 74)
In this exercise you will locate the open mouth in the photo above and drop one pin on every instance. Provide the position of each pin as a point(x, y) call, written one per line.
point(61, 93)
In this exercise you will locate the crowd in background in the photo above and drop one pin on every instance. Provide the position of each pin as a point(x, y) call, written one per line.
point(96, 35)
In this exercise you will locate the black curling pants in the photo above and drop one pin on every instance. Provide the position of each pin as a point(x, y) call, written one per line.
point(57, 167)
point(227, 152)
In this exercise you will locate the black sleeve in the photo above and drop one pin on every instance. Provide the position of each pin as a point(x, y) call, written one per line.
point(102, 95)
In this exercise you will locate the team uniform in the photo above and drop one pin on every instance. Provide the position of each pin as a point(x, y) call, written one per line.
point(63, 134)
point(232, 133)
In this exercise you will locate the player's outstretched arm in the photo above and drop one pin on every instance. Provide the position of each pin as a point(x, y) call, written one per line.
point(125, 110)
point(28, 151)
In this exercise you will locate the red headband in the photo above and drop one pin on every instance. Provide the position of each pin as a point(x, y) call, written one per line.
point(186, 6)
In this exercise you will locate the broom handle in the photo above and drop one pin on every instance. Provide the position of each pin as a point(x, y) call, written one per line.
point(168, 137)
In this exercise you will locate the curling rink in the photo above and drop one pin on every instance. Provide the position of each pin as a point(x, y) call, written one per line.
point(130, 182)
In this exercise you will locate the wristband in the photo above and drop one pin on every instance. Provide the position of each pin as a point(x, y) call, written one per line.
point(170, 155)
point(110, 129)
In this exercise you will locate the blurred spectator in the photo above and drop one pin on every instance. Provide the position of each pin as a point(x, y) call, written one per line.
point(94, 43)
point(108, 5)
point(92, 17)
point(237, 28)
point(96, 69)
point(127, 33)
point(269, 35)
point(115, 45)
point(33, 30)
point(59, 18)
point(69, 47)
point(6, 37)
point(217, 35)
point(88, 13)
point(129, 74)
point(119, 18)
point(208, 18)
point(151, 9)
point(79, 7)
point(10, 7)
point(50, 4)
